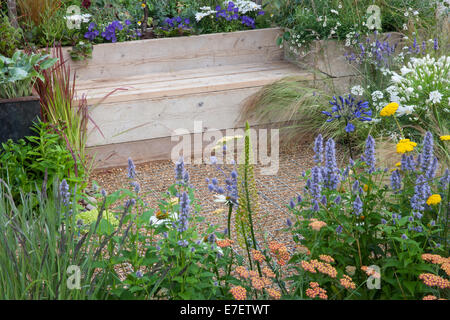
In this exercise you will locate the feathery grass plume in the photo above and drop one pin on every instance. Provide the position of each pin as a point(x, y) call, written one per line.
point(248, 197)
point(295, 103)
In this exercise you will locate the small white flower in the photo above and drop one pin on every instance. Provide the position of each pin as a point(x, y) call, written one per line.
point(435, 97)
point(220, 198)
point(357, 90)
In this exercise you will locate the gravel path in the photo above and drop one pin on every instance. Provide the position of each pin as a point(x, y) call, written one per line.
point(274, 191)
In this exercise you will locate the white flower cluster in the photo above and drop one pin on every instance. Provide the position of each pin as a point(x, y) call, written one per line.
point(77, 18)
point(421, 82)
point(246, 6)
point(357, 90)
point(204, 12)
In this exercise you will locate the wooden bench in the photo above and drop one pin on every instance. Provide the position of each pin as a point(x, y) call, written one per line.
point(170, 83)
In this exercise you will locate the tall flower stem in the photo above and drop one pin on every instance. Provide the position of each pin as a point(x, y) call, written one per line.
point(230, 211)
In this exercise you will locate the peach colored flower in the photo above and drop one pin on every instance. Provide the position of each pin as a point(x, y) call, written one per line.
point(239, 293)
point(276, 294)
point(433, 280)
point(257, 256)
point(317, 225)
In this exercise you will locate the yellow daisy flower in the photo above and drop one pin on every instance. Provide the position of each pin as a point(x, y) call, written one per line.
point(143, 5)
point(405, 145)
point(389, 110)
point(434, 199)
point(398, 164)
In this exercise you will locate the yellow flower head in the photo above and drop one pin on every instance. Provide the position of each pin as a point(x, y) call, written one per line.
point(405, 145)
point(434, 199)
point(139, 23)
point(398, 164)
point(143, 5)
point(389, 110)
point(444, 138)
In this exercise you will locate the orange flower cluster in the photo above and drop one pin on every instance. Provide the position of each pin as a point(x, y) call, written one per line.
point(326, 258)
point(280, 251)
point(258, 283)
point(239, 293)
point(429, 297)
point(434, 258)
point(257, 256)
point(276, 294)
point(268, 273)
point(347, 282)
point(316, 224)
point(446, 267)
point(433, 280)
point(253, 273)
point(370, 272)
point(267, 281)
point(315, 265)
point(242, 272)
point(315, 291)
point(437, 259)
point(224, 243)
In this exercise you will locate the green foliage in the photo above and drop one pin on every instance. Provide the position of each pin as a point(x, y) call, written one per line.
point(10, 40)
point(36, 161)
point(81, 51)
point(18, 73)
point(324, 19)
point(386, 232)
point(38, 254)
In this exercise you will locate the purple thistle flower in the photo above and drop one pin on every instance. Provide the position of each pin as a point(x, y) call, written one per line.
point(369, 154)
point(183, 243)
point(64, 192)
point(355, 187)
point(331, 176)
point(337, 200)
point(427, 152)
point(131, 169)
point(396, 180)
point(180, 171)
point(357, 206)
point(315, 182)
point(407, 163)
point(318, 149)
point(136, 186)
point(288, 222)
point(445, 180)
point(431, 171)
point(422, 191)
point(292, 204)
point(183, 217)
point(315, 207)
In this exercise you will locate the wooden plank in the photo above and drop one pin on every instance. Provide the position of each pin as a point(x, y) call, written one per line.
point(192, 86)
point(147, 119)
point(179, 75)
point(172, 54)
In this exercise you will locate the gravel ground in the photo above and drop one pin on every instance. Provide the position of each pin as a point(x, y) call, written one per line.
point(274, 190)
